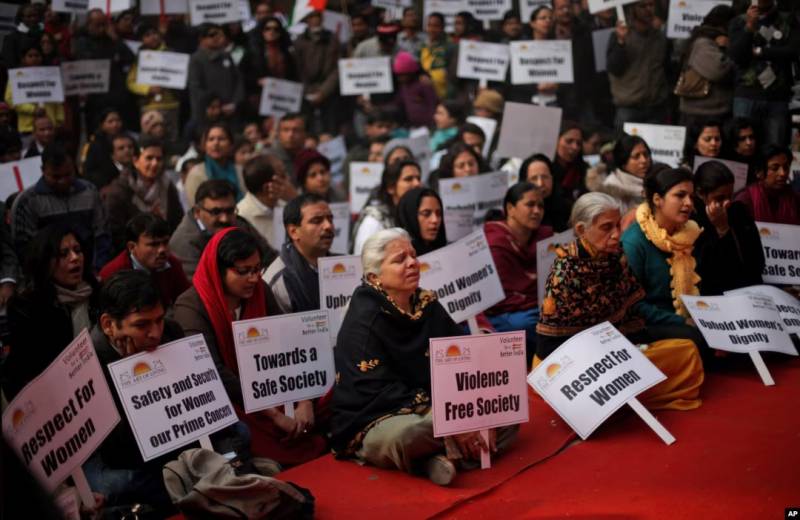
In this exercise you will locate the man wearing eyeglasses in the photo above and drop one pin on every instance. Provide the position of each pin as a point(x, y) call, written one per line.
point(214, 210)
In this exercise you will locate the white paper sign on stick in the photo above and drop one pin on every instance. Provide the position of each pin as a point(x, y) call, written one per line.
point(283, 359)
point(477, 192)
point(214, 11)
point(280, 97)
point(61, 417)
point(489, 127)
point(685, 15)
point(546, 255)
point(482, 60)
point(365, 76)
point(596, 6)
point(478, 382)
point(542, 61)
point(600, 39)
point(738, 169)
point(161, 7)
point(788, 306)
point(36, 85)
point(527, 129)
point(338, 278)
point(364, 176)
point(341, 226)
point(85, 77)
point(487, 10)
point(665, 142)
point(527, 7)
point(172, 396)
point(781, 243)
point(592, 375)
point(336, 151)
point(163, 69)
point(17, 175)
point(463, 275)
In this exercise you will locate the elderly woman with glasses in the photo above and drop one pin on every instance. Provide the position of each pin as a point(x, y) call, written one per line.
point(227, 287)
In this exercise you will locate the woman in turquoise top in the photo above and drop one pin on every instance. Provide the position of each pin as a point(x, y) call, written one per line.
point(448, 117)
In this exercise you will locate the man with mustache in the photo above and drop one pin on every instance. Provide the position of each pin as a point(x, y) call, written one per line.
point(293, 276)
point(147, 249)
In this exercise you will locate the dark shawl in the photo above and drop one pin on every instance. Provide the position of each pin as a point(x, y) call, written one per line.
point(302, 282)
point(407, 219)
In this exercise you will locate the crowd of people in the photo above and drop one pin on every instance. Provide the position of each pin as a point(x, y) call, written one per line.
point(156, 215)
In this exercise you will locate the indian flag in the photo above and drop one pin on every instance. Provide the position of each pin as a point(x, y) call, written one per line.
point(303, 8)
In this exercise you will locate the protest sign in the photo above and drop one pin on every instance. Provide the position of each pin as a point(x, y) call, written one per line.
point(478, 192)
point(600, 39)
point(280, 97)
point(448, 9)
point(62, 416)
point(781, 243)
point(391, 4)
point(339, 24)
point(738, 169)
point(458, 222)
point(341, 226)
point(172, 396)
point(482, 61)
point(17, 175)
point(214, 11)
point(478, 382)
point(489, 126)
point(365, 76)
point(487, 10)
point(278, 229)
point(528, 129)
point(335, 150)
point(665, 142)
point(788, 306)
point(283, 359)
point(542, 61)
point(162, 7)
point(85, 77)
point(545, 255)
point(463, 275)
point(36, 85)
point(83, 6)
point(364, 176)
point(685, 15)
point(71, 6)
point(163, 69)
point(527, 7)
point(601, 5)
point(592, 375)
point(338, 278)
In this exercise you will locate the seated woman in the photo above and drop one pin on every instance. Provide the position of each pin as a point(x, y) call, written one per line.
point(513, 245)
point(728, 251)
point(227, 286)
point(703, 138)
point(742, 144)
point(771, 198)
point(379, 211)
point(569, 168)
point(381, 401)
point(590, 282)
point(538, 170)
point(633, 160)
point(313, 172)
point(218, 162)
point(419, 212)
point(461, 160)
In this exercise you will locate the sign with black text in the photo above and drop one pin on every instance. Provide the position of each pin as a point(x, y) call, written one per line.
point(477, 192)
point(214, 11)
point(85, 77)
point(280, 97)
point(788, 306)
point(487, 10)
point(781, 243)
point(365, 76)
point(163, 69)
point(542, 61)
point(36, 85)
point(665, 142)
point(685, 15)
point(338, 278)
point(482, 60)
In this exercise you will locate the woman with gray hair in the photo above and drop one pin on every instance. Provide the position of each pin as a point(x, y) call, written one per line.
point(381, 400)
point(590, 282)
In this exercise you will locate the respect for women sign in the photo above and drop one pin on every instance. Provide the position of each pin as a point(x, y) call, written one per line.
point(172, 396)
point(544, 61)
point(36, 85)
point(781, 243)
point(482, 61)
point(365, 76)
point(338, 278)
point(280, 97)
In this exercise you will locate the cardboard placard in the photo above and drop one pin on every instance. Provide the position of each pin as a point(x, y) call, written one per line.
point(545, 255)
point(172, 396)
point(788, 306)
point(280, 97)
point(592, 375)
point(489, 127)
point(685, 15)
point(336, 151)
point(541, 61)
point(214, 11)
point(463, 275)
point(528, 129)
point(365, 76)
point(477, 192)
point(162, 7)
point(600, 39)
point(738, 169)
point(364, 176)
point(283, 359)
point(596, 6)
point(665, 142)
point(478, 382)
point(338, 278)
point(781, 243)
point(487, 10)
point(62, 416)
point(85, 77)
point(482, 60)
point(17, 175)
point(36, 85)
point(163, 69)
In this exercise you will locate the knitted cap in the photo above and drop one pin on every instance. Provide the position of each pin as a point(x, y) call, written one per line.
point(490, 100)
point(405, 63)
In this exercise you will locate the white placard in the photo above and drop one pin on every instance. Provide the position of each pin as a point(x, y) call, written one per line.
point(489, 127)
point(592, 375)
point(17, 175)
point(364, 176)
point(339, 24)
point(477, 192)
point(478, 382)
point(71, 6)
point(448, 9)
point(283, 359)
point(545, 255)
point(600, 39)
point(280, 97)
point(36, 85)
point(527, 7)
point(365, 76)
point(738, 169)
point(341, 226)
point(601, 5)
point(85, 77)
point(163, 69)
point(172, 396)
point(110, 6)
point(685, 15)
point(528, 129)
point(278, 229)
point(214, 11)
point(63, 415)
point(391, 4)
point(487, 10)
point(781, 243)
point(541, 61)
point(336, 151)
point(788, 306)
point(463, 275)
point(458, 223)
point(665, 142)
point(160, 7)
point(482, 61)
point(338, 278)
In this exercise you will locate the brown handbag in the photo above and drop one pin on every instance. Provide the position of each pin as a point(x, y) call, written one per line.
point(692, 85)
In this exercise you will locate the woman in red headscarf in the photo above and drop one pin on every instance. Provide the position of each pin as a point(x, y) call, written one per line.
point(228, 287)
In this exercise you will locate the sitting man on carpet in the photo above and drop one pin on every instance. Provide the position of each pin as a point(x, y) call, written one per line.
point(381, 400)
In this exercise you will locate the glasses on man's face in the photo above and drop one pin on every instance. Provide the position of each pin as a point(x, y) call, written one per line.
point(216, 212)
point(248, 271)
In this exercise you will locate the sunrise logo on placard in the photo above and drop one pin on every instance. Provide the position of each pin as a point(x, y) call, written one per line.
point(253, 335)
point(452, 354)
point(142, 371)
point(769, 233)
point(701, 305)
point(429, 267)
point(553, 370)
point(338, 271)
point(21, 416)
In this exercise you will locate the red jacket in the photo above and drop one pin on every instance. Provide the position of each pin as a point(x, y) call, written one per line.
point(170, 282)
